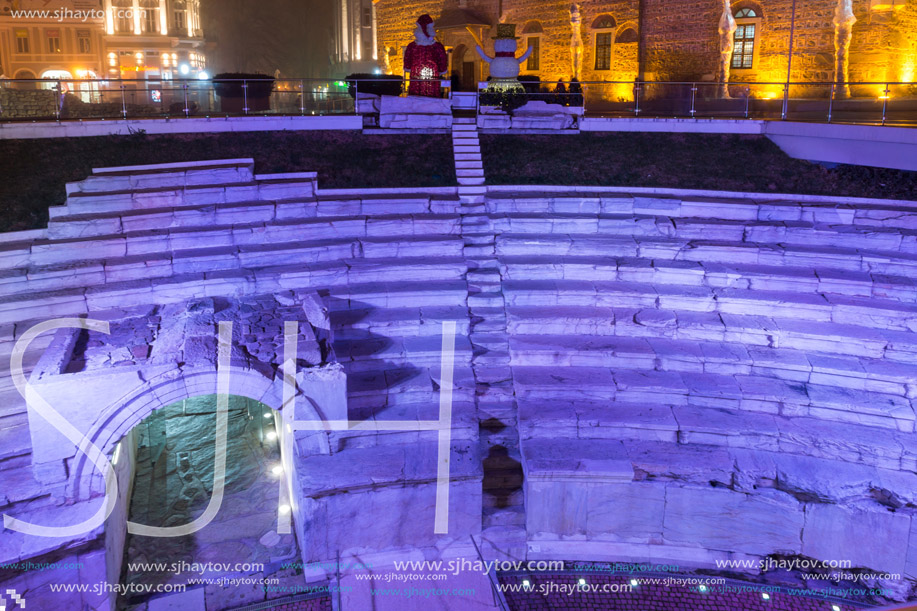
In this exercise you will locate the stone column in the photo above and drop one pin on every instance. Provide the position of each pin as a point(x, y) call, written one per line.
point(576, 41)
point(727, 30)
point(843, 32)
point(135, 6)
point(163, 18)
point(375, 35)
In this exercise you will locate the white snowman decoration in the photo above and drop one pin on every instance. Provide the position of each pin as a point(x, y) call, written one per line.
point(504, 66)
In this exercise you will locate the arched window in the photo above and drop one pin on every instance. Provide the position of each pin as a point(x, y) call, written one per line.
point(604, 26)
point(532, 33)
point(743, 52)
point(627, 35)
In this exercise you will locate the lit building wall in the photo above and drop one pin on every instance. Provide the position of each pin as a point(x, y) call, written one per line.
point(682, 44)
point(65, 48)
point(128, 39)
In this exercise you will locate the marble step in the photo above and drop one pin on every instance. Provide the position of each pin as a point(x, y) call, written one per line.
point(356, 321)
point(719, 275)
point(757, 394)
point(801, 306)
point(174, 174)
point(808, 234)
point(872, 375)
point(880, 213)
point(184, 197)
point(749, 330)
point(710, 251)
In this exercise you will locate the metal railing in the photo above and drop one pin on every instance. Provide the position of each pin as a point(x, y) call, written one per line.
point(882, 103)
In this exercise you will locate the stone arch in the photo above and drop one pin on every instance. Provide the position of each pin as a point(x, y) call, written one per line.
point(24, 73)
point(749, 4)
point(120, 416)
point(627, 33)
point(604, 22)
point(533, 27)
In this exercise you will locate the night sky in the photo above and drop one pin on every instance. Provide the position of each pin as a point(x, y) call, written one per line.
point(293, 36)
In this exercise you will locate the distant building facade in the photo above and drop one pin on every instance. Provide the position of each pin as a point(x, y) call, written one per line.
point(79, 39)
point(704, 40)
point(356, 48)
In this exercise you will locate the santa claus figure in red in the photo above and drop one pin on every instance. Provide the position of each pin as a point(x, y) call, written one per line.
point(425, 59)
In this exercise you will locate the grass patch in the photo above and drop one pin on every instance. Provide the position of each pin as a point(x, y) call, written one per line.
point(679, 161)
point(35, 171)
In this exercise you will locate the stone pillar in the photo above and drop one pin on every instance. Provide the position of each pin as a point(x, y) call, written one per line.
point(375, 35)
point(345, 31)
point(163, 18)
point(576, 42)
point(135, 7)
point(727, 30)
point(843, 32)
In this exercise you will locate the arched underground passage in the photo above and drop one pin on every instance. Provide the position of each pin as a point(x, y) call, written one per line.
point(174, 474)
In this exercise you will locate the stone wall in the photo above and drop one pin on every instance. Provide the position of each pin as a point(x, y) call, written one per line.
point(27, 103)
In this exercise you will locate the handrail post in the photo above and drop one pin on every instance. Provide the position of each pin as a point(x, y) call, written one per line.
point(1, 100)
point(302, 97)
point(637, 89)
point(885, 104)
point(693, 99)
point(356, 96)
point(184, 88)
point(747, 100)
point(831, 101)
point(786, 102)
point(60, 100)
point(123, 103)
point(245, 96)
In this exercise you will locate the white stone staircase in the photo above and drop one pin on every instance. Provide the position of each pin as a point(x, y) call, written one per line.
point(503, 534)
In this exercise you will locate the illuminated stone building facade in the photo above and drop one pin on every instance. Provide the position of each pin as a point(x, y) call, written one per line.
point(619, 40)
point(76, 39)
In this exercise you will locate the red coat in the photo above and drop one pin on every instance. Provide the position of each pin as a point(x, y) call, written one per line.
point(425, 62)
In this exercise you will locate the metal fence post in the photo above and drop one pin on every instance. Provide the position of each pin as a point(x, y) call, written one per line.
point(885, 104)
point(123, 104)
point(637, 89)
point(302, 97)
point(1, 99)
point(245, 96)
point(184, 90)
point(356, 96)
point(747, 100)
point(60, 100)
point(831, 101)
point(786, 102)
point(693, 99)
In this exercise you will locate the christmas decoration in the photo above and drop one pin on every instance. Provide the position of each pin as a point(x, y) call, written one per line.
point(425, 59)
point(504, 66)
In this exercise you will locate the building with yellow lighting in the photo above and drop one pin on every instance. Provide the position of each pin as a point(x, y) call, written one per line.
point(836, 41)
point(118, 39)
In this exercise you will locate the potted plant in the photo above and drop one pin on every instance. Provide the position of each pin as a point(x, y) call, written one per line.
point(237, 90)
